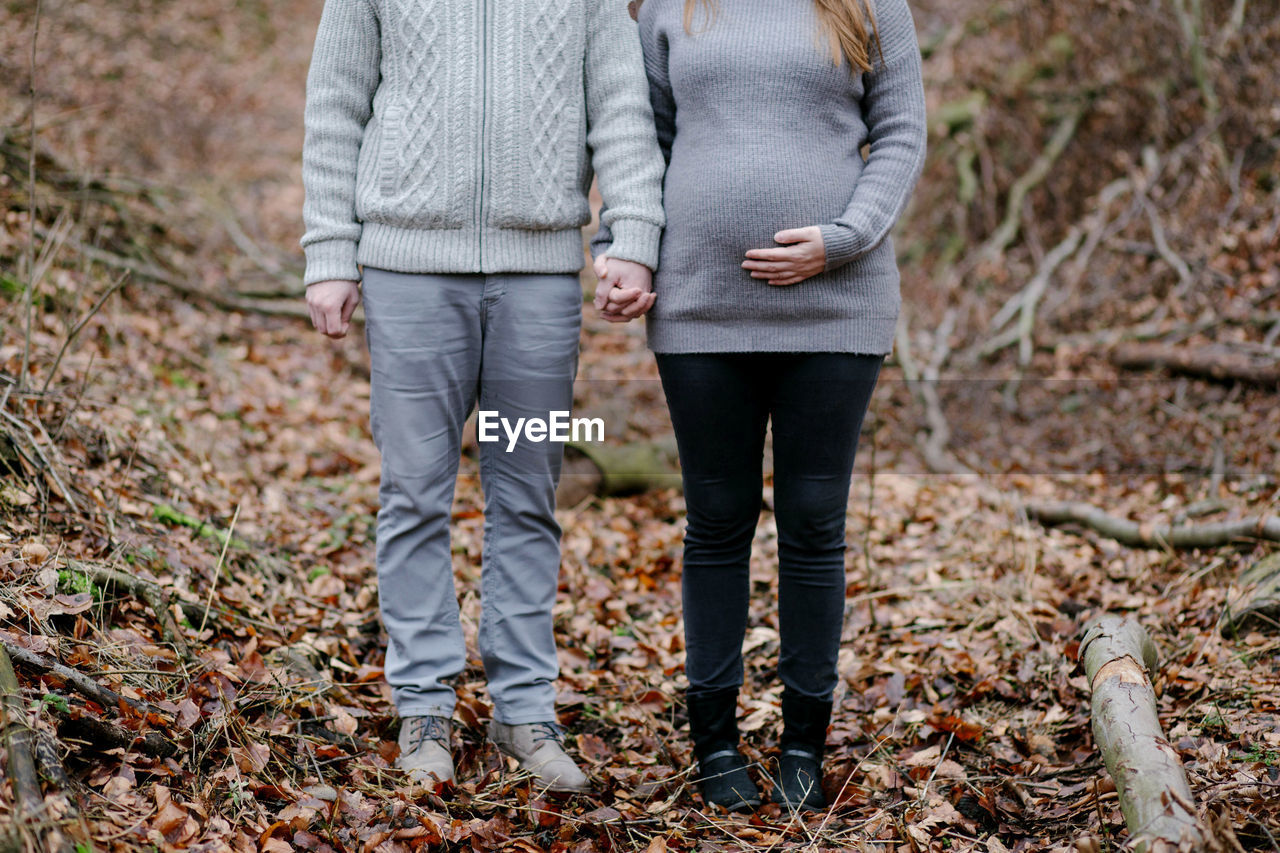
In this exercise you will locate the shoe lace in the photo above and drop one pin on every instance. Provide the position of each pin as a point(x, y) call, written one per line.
point(429, 728)
point(547, 731)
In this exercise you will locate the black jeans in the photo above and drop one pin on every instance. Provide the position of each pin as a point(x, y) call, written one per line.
point(720, 404)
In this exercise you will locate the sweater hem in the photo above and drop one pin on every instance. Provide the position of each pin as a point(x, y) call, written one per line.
point(861, 335)
point(469, 250)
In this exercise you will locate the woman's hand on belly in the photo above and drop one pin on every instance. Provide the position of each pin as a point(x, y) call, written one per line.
point(802, 254)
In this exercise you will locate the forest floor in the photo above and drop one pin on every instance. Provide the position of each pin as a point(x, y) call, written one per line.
point(183, 436)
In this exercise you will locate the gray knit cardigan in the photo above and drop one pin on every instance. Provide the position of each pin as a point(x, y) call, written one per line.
point(455, 136)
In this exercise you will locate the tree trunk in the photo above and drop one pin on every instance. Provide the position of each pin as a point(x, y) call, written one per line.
point(1154, 796)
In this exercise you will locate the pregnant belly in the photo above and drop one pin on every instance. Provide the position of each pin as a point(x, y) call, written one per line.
point(718, 207)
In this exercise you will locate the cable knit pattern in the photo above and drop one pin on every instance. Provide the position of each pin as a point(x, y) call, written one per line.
point(540, 68)
point(415, 178)
point(764, 133)
point(550, 117)
point(460, 136)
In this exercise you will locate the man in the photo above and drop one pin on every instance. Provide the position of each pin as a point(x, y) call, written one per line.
point(449, 149)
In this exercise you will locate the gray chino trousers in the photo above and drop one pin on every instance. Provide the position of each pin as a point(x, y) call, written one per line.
point(440, 345)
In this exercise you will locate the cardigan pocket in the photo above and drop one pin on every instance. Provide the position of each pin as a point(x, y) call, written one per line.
point(420, 183)
point(540, 190)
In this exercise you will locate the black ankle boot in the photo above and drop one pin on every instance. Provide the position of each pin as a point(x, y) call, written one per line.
point(722, 770)
point(804, 736)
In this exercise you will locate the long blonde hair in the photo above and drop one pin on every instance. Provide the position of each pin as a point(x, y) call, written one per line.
point(848, 26)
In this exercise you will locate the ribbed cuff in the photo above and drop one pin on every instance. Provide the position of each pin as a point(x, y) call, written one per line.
point(599, 242)
point(331, 260)
point(842, 245)
point(635, 240)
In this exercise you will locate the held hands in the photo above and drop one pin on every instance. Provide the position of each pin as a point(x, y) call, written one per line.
point(625, 291)
point(802, 255)
point(331, 304)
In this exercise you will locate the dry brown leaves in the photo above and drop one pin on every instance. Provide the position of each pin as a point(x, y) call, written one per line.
point(962, 719)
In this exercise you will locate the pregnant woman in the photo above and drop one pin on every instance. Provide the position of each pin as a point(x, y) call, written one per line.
point(794, 131)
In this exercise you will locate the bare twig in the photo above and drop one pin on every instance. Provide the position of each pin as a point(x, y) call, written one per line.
point(866, 527)
point(934, 444)
point(75, 330)
point(1185, 277)
point(48, 467)
point(1190, 14)
point(260, 256)
point(1235, 22)
point(1025, 302)
point(152, 272)
point(217, 570)
point(1036, 289)
point(267, 563)
point(1039, 170)
point(924, 792)
point(31, 196)
point(156, 597)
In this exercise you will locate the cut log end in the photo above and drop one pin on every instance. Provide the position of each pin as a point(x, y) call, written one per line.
point(1154, 795)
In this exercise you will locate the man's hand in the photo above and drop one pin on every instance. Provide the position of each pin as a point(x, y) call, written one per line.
point(625, 289)
point(331, 304)
point(803, 255)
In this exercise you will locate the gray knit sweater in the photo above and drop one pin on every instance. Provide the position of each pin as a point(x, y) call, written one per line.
point(763, 132)
point(455, 136)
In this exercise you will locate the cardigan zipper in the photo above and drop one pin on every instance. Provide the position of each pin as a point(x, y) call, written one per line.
point(483, 147)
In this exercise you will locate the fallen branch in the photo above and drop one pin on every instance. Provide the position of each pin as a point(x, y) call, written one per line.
point(19, 743)
point(1098, 225)
point(1155, 798)
point(1218, 363)
point(1147, 331)
point(924, 384)
point(156, 597)
point(78, 681)
point(61, 806)
point(1254, 599)
point(1143, 535)
point(78, 327)
point(32, 280)
point(49, 761)
point(1190, 15)
point(1004, 234)
point(1185, 277)
point(102, 735)
point(155, 273)
point(164, 512)
point(1025, 302)
point(603, 470)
